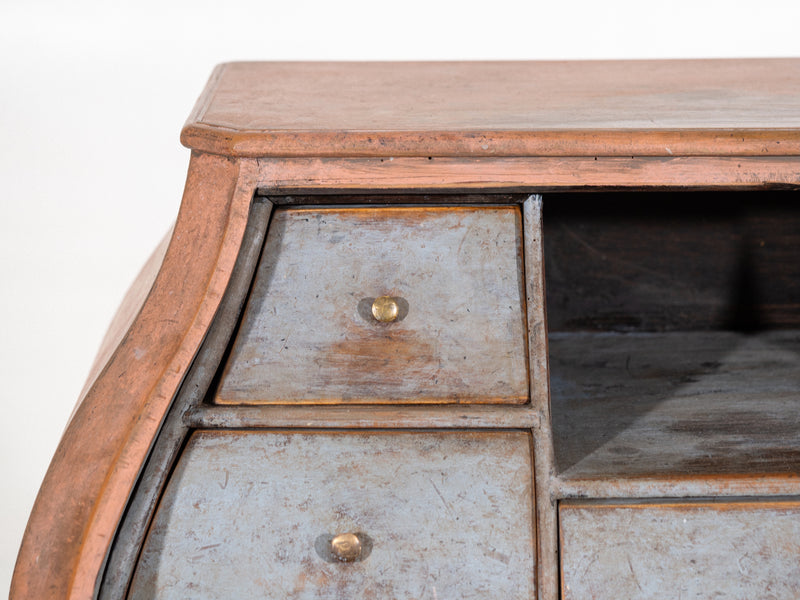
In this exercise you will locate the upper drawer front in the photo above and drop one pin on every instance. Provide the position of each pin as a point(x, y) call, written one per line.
point(721, 549)
point(257, 515)
point(454, 275)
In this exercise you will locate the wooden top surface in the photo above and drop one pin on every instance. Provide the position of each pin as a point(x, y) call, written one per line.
point(748, 107)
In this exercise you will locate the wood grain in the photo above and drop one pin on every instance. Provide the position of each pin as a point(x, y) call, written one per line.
point(308, 334)
point(589, 108)
point(526, 174)
point(696, 549)
point(447, 515)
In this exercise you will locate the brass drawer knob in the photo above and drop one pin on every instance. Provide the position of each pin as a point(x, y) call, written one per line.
point(385, 309)
point(346, 547)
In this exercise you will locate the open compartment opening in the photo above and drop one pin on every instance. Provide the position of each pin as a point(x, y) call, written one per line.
point(674, 332)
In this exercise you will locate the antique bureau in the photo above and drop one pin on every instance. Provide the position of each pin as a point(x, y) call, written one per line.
point(339, 377)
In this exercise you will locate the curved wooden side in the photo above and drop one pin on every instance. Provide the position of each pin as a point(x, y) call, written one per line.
point(127, 312)
point(99, 457)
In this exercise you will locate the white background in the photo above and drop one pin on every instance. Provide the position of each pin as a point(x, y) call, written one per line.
point(92, 98)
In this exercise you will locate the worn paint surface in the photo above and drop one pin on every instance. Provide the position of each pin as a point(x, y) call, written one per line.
point(547, 551)
point(676, 404)
point(700, 550)
point(308, 335)
point(104, 448)
point(447, 514)
point(134, 524)
point(388, 416)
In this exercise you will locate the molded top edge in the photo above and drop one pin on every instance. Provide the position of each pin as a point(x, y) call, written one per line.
point(744, 107)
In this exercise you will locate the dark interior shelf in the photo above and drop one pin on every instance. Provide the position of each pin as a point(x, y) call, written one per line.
point(661, 404)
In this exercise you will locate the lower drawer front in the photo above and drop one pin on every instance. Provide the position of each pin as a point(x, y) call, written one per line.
point(687, 549)
point(254, 514)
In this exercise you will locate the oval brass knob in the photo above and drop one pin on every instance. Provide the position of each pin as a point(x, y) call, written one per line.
point(346, 547)
point(385, 309)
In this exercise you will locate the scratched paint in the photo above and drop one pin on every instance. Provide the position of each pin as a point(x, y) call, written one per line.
point(447, 514)
point(683, 549)
point(307, 334)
